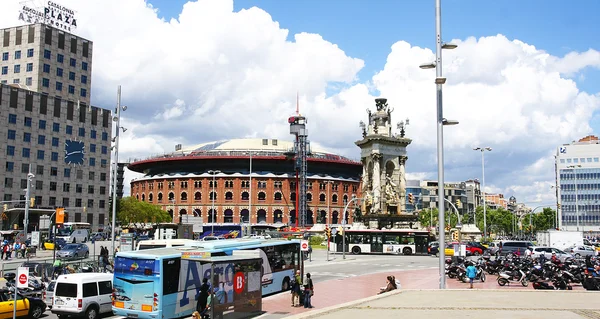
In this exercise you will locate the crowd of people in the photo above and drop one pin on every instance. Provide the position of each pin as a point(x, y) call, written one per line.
point(7, 248)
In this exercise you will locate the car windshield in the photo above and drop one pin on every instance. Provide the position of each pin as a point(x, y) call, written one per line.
point(70, 247)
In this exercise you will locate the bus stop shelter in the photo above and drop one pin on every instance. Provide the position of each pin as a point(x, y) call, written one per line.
point(236, 282)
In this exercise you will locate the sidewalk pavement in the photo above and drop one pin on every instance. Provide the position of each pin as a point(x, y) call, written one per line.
point(333, 293)
point(460, 304)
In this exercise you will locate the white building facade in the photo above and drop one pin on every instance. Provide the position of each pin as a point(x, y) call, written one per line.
point(578, 185)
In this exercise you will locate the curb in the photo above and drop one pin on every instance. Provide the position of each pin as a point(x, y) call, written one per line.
point(317, 313)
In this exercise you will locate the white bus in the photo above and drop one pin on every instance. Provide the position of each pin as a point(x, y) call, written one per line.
point(383, 241)
point(165, 243)
point(74, 232)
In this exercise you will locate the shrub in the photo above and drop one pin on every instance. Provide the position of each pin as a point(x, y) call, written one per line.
point(316, 240)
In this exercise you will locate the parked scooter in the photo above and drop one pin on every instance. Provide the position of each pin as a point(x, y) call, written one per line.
point(506, 277)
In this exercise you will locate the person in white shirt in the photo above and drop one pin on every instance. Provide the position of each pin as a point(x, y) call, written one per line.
point(528, 253)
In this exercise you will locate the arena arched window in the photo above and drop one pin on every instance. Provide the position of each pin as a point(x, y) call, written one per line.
point(293, 196)
point(183, 196)
point(212, 196)
point(309, 197)
point(334, 198)
point(277, 196)
point(150, 197)
point(137, 197)
point(143, 198)
point(345, 199)
point(262, 196)
point(171, 196)
point(322, 198)
point(245, 196)
point(229, 196)
point(197, 196)
point(160, 196)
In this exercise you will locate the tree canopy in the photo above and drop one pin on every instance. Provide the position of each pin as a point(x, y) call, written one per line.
point(131, 210)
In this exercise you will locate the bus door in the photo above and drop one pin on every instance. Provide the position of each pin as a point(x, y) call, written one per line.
point(421, 244)
point(376, 243)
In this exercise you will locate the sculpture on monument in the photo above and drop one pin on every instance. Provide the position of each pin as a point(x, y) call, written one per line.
point(383, 155)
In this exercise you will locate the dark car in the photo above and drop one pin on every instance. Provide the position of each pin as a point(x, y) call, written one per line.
point(39, 270)
point(510, 247)
point(31, 308)
point(433, 248)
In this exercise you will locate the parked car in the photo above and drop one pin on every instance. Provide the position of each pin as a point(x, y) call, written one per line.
point(41, 271)
point(493, 248)
point(537, 251)
point(476, 248)
point(97, 236)
point(578, 251)
point(27, 307)
point(74, 251)
point(511, 247)
point(49, 293)
point(433, 248)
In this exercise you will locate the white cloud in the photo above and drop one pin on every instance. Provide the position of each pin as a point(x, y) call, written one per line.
point(216, 74)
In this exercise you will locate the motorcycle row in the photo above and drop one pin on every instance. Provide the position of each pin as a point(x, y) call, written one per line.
point(541, 272)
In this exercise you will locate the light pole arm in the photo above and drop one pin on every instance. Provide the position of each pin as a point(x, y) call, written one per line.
point(455, 210)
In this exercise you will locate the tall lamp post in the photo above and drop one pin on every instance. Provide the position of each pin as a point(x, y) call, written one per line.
point(328, 221)
point(482, 150)
point(30, 177)
point(354, 198)
point(441, 121)
point(117, 119)
point(574, 168)
point(214, 214)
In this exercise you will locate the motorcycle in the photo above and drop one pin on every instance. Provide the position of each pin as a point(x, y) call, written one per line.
point(507, 277)
point(35, 288)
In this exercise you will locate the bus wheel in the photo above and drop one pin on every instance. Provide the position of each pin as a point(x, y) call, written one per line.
point(407, 251)
point(285, 285)
point(356, 250)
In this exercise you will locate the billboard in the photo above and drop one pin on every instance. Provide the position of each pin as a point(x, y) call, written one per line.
point(51, 13)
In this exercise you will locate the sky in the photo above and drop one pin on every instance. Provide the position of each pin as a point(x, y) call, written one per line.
point(524, 79)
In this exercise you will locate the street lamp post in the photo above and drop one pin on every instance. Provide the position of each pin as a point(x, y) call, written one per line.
point(483, 149)
point(441, 121)
point(214, 214)
point(117, 119)
point(30, 177)
point(574, 167)
point(354, 198)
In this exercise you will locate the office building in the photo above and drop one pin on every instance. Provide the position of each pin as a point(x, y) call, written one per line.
point(578, 184)
point(47, 60)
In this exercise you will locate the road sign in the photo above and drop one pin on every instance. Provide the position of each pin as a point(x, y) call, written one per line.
point(333, 231)
point(23, 277)
point(35, 238)
point(304, 245)
point(238, 282)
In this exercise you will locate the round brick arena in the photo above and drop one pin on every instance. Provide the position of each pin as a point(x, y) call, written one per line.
point(181, 183)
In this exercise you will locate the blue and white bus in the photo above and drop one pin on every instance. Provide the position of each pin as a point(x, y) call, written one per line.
point(158, 283)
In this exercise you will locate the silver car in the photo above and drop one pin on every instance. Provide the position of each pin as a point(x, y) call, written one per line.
point(548, 251)
point(49, 293)
point(73, 251)
point(579, 251)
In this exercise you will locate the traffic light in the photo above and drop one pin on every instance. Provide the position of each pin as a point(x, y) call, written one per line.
point(458, 203)
point(328, 232)
point(558, 206)
point(32, 202)
point(411, 198)
point(60, 215)
point(455, 235)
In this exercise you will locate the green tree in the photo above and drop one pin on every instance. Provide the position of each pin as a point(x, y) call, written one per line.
point(541, 221)
point(499, 221)
point(132, 210)
point(432, 214)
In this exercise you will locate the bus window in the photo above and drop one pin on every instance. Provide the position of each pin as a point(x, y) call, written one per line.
point(407, 239)
point(391, 239)
point(282, 257)
point(359, 239)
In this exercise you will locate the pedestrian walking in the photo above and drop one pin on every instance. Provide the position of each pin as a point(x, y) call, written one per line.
point(309, 291)
point(471, 273)
point(296, 290)
point(203, 298)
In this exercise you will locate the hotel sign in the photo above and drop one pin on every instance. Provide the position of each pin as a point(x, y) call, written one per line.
point(52, 14)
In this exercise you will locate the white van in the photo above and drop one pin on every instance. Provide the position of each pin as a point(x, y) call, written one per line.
point(79, 236)
point(80, 294)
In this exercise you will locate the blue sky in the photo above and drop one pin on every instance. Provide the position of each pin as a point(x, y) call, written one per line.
point(367, 29)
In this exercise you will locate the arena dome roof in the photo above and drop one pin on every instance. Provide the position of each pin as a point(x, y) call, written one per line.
point(245, 144)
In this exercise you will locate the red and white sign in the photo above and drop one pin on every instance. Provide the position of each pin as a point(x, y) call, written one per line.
point(238, 282)
point(304, 245)
point(23, 277)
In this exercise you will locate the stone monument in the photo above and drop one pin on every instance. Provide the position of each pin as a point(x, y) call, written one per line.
point(383, 155)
